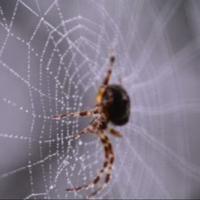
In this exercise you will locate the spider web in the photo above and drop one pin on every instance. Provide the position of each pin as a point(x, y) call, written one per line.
point(53, 57)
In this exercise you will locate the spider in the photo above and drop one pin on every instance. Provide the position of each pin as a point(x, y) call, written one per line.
point(112, 107)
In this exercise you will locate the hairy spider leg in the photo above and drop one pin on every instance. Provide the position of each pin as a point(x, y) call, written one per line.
point(88, 129)
point(91, 128)
point(88, 113)
point(106, 80)
point(107, 166)
point(109, 72)
point(106, 169)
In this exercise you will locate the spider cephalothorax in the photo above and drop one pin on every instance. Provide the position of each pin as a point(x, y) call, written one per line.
point(112, 106)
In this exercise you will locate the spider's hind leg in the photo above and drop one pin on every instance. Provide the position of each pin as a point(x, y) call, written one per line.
point(105, 172)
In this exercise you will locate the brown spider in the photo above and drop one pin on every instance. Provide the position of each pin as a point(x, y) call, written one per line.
point(112, 105)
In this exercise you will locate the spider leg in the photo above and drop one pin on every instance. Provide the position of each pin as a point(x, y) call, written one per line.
point(89, 129)
point(88, 113)
point(105, 171)
point(106, 80)
point(86, 130)
point(108, 164)
point(115, 132)
point(109, 72)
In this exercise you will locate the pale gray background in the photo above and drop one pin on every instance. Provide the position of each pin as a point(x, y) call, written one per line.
point(158, 52)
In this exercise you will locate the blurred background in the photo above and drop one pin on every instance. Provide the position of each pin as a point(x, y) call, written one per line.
point(53, 57)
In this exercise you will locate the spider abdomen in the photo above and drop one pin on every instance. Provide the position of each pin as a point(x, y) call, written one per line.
point(117, 105)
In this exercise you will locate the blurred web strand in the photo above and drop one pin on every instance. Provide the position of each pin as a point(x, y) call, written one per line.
point(190, 106)
point(157, 32)
point(35, 195)
point(177, 61)
point(149, 169)
point(192, 170)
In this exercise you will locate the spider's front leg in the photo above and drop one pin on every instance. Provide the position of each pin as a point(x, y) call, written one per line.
point(88, 113)
point(109, 72)
point(106, 80)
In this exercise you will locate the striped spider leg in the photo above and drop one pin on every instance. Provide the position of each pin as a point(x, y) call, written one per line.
point(104, 175)
point(88, 113)
point(105, 84)
point(106, 170)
